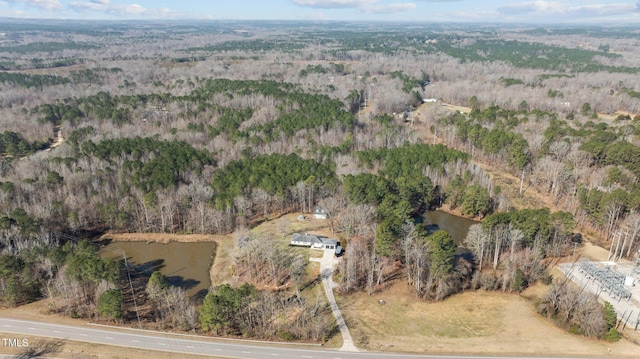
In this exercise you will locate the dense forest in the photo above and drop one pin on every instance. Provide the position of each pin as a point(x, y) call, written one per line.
point(210, 128)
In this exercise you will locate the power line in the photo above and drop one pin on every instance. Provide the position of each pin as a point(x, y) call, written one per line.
point(77, 240)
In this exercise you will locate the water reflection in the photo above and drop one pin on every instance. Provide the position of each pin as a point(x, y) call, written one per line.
point(456, 226)
point(184, 264)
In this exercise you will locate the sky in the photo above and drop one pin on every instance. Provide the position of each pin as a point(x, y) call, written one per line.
point(602, 12)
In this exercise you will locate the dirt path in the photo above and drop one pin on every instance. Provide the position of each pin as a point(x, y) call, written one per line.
point(59, 137)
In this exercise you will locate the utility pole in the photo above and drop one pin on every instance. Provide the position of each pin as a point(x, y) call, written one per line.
point(617, 245)
point(133, 293)
point(610, 248)
point(624, 243)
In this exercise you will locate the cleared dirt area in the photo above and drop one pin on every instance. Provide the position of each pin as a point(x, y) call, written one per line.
point(594, 252)
point(481, 323)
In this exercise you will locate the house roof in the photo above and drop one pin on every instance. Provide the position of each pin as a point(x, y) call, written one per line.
point(307, 238)
point(331, 241)
point(312, 238)
point(318, 210)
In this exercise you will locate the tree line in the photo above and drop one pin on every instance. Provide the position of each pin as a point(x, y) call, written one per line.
point(73, 273)
point(586, 167)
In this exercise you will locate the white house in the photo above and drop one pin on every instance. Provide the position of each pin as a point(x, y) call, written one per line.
point(431, 100)
point(313, 241)
point(319, 213)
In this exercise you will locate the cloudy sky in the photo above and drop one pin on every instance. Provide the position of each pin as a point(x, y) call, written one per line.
point(536, 11)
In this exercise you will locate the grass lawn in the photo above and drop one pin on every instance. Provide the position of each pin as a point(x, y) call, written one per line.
point(483, 323)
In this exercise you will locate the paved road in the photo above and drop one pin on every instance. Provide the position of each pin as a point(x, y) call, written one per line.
point(193, 345)
point(327, 264)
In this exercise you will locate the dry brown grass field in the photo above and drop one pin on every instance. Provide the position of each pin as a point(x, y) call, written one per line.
point(478, 323)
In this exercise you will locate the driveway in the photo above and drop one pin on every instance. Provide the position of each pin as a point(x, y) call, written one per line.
point(327, 263)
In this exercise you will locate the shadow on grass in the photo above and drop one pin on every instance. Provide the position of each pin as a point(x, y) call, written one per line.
point(42, 348)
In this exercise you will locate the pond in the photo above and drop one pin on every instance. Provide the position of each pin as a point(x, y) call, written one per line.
point(185, 264)
point(456, 226)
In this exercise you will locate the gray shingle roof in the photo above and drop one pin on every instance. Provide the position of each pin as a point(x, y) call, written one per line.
point(312, 238)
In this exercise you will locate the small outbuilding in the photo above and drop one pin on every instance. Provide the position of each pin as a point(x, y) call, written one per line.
point(319, 213)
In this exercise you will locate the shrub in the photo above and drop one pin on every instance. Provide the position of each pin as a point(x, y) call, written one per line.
point(612, 335)
point(546, 278)
point(285, 335)
point(519, 282)
point(110, 304)
point(488, 281)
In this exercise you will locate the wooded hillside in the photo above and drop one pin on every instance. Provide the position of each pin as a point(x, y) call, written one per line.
point(205, 129)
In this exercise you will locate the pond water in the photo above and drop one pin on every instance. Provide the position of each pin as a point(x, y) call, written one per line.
point(185, 264)
point(456, 226)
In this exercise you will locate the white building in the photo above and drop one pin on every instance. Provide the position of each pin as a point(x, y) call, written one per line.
point(313, 241)
point(319, 213)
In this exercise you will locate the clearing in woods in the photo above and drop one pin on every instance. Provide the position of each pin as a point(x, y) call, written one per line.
point(474, 322)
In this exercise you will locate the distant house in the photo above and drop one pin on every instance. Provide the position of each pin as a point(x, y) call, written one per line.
point(425, 100)
point(314, 241)
point(319, 213)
